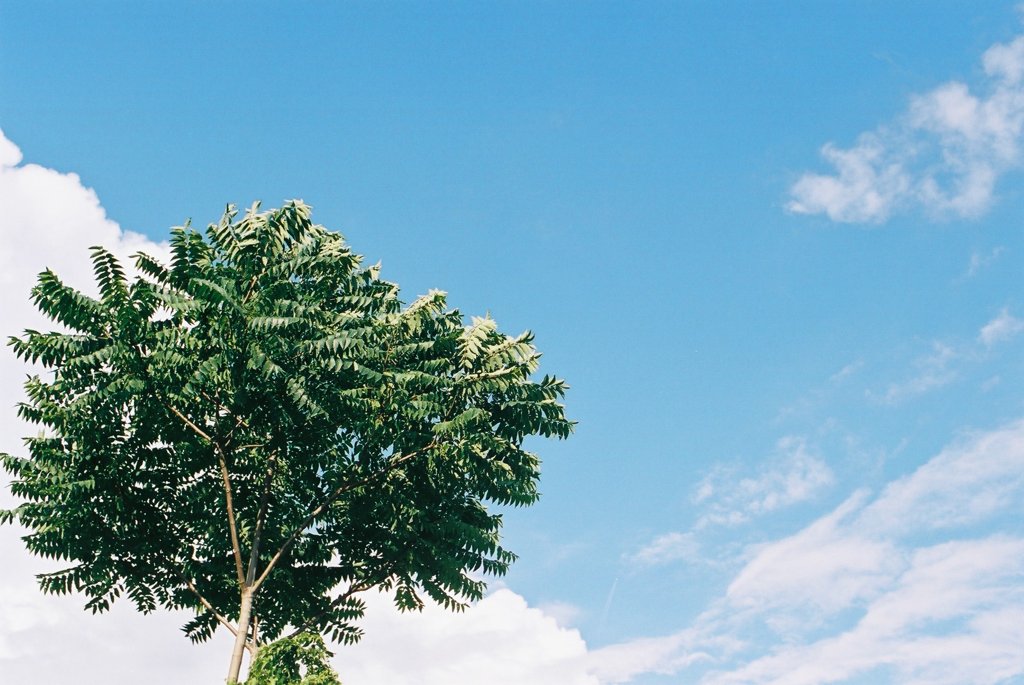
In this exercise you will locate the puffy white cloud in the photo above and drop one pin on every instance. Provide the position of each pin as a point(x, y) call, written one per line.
point(500, 640)
point(50, 221)
point(869, 182)
point(564, 613)
point(944, 154)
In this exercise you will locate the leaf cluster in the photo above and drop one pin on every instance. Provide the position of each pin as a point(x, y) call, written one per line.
point(299, 660)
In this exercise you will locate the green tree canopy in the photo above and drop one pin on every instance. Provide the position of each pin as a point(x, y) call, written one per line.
point(261, 430)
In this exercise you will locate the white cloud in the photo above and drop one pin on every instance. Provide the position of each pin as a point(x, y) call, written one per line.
point(963, 484)
point(1000, 329)
point(51, 220)
point(846, 372)
point(870, 181)
point(991, 382)
point(944, 154)
point(825, 565)
point(564, 613)
point(621, 663)
point(500, 640)
point(794, 475)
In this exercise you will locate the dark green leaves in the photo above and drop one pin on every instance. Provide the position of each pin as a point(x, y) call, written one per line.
point(359, 439)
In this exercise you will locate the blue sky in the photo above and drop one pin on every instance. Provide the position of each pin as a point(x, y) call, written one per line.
point(775, 248)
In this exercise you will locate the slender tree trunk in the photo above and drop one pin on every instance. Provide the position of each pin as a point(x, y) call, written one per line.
point(244, 616)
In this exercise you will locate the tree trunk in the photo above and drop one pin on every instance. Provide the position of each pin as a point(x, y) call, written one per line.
point(244, 616)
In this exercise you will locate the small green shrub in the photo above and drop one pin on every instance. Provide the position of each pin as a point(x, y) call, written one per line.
point(282, 663)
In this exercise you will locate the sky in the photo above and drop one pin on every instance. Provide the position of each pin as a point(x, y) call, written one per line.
point(776, 250)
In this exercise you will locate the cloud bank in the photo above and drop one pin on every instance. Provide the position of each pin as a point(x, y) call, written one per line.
point(944, 154)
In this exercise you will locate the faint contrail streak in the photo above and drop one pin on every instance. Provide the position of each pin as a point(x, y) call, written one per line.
point(608, 603)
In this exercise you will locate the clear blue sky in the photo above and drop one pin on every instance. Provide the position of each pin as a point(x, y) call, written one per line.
point(745, 352)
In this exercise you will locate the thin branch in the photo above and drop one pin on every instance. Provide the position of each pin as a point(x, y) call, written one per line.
point(235, 545)
point(358, 587)
point(188, 422)
point(253, 643)
point(261, 519)
point(252, 446)
point(209, 607)
point(222, 462)
point(251, 289)
point(338, 492)
point(239, 420)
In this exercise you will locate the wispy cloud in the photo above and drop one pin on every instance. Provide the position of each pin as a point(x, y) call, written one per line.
point(944, 362)
point(730, 498)
point(979, 261)
point(867, 591)
point(1000, 329)
point(846, 372)
point(932, 371)
point(905, 629)
point(796, 474)
point(665, 548)
point(944, 154)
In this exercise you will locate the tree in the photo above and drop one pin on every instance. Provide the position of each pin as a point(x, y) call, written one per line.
point(261, 431)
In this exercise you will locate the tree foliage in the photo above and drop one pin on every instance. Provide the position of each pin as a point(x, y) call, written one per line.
point(298, 660)
point(263, 415)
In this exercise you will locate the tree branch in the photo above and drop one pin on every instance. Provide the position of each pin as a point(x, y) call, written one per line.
point(253, 644)
point(251, 446)
point(235, 545)
point(261, 518)
point(338, 492)
point(188, 422)
point(209, 607)
point(222, 462)
point(354, 589)
point(239, 421)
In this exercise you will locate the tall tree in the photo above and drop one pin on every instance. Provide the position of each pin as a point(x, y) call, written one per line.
point(261, 431)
